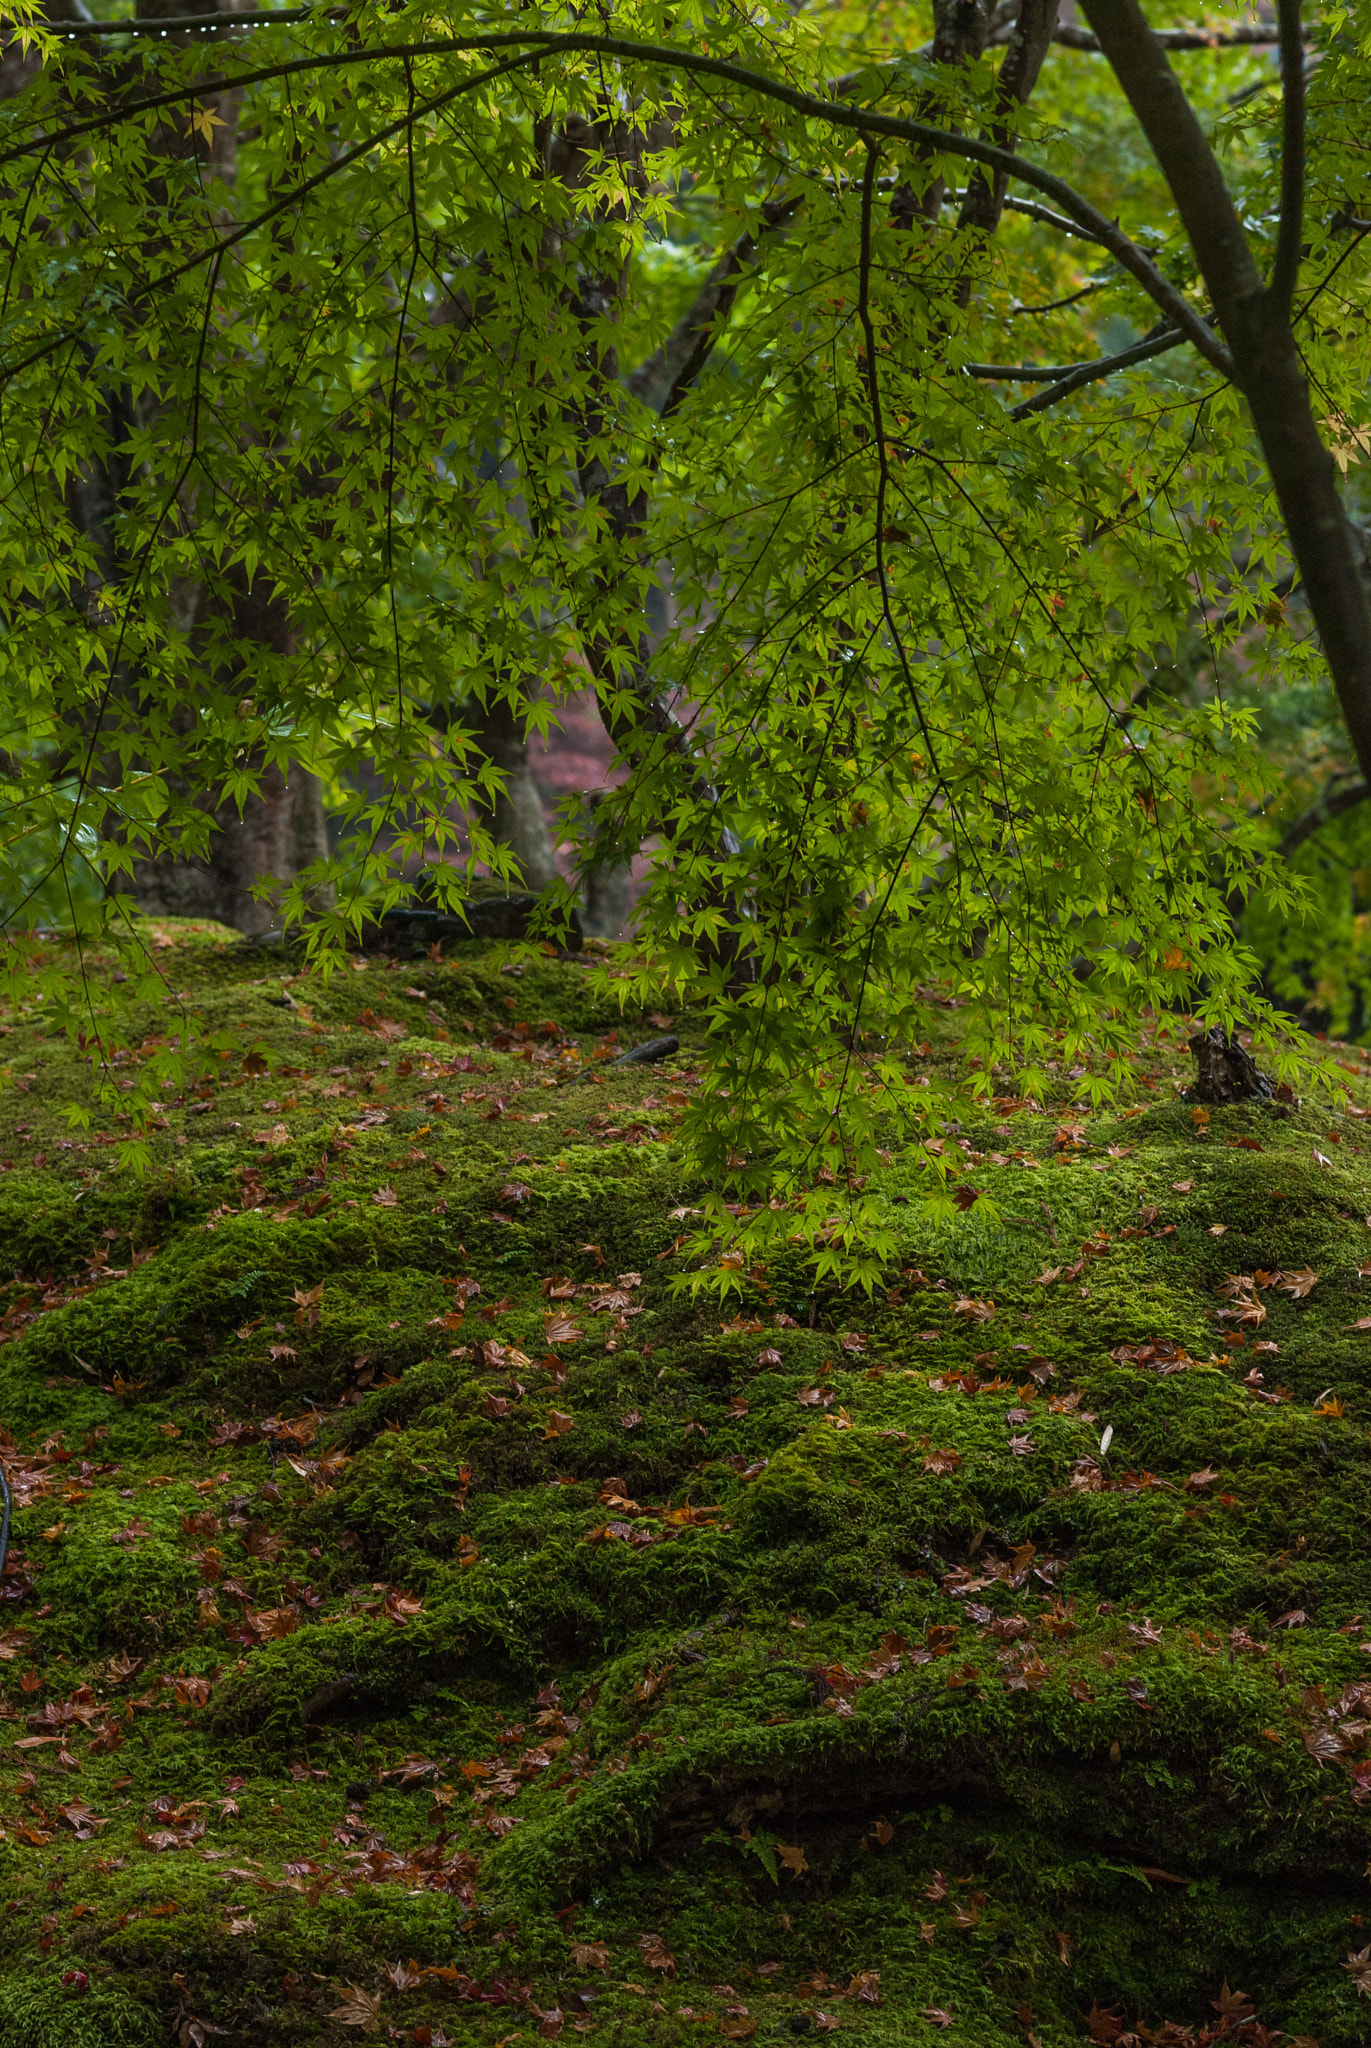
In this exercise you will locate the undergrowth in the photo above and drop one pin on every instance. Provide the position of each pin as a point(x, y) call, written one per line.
point(418, 1619)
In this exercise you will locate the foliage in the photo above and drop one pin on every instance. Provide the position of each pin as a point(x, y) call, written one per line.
point(345, 483)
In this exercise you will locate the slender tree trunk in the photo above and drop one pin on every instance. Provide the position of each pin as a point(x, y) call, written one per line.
point(516, 818)
point(1256, 320)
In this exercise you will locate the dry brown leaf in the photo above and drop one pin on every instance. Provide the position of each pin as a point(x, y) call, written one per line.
point(359, 2009)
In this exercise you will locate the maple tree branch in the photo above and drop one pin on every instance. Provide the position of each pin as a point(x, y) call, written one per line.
point(1245, 37)
point(859, 120)
point(1268, 369)
point(1045, 215)
point(669, 373)
point(1069, 377)
point(1332, 804)
point(1285, 269)
point(1029, 43)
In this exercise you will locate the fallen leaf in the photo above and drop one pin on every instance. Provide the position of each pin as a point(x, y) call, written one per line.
point(1232, 2005)
point(359, 2009)
point(979, 1311)
point(1360, 1967)
point(942, 1461)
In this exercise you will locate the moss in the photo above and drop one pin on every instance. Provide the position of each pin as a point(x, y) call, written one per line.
point(51, 2015)
point(860, 1608)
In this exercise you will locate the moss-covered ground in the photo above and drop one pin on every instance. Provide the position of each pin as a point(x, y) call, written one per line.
point(417, 1619)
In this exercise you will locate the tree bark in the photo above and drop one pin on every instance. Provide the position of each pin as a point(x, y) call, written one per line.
point(1257, 326)
point(515, 818)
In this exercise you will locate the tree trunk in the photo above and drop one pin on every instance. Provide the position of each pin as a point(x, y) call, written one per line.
point(515, 818)
point(281, 832)
point(1256, 319)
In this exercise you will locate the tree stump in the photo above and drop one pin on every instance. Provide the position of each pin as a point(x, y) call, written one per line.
point(1225, 1071)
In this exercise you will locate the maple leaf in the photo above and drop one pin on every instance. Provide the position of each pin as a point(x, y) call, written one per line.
point(244, 1925)
point(558, 1424)
point(1322, 1744)
point(1298, 1284)
point(865, 1987)
point(562, 1329)
point(942, 1461)
point(384, 1198)
point(937, 1887)
point(204, 121)
point(590, 1955)
point(1360, 1966)
point(404, 1976)
point(1198, 1480)
point(1232, 2003)
point(938, 2015)
point(792, 1859)
point(979, 1311)
point(1103, 2023)
point(359, 2009)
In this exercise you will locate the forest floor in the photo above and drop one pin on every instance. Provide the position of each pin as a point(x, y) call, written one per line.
point(421, 1621)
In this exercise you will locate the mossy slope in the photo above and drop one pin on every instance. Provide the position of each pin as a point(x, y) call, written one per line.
point(649, 1674)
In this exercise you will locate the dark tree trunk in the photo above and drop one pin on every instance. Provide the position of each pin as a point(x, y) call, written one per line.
point(280, 833)
point(516, 818)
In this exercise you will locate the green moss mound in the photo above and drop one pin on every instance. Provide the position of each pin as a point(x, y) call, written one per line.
point(44, 2016)
point(421, 1618)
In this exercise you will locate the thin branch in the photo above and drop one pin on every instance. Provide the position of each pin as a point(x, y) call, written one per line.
point(1045, 215)
point(201, 24)
point(860, 120)
point(1096, 284)
point(1332, 804)
point(663, 380)
point(1090, 373)
point(1101, 366)
point(1250, 37)
point(1290, 237)
point(1002, 24)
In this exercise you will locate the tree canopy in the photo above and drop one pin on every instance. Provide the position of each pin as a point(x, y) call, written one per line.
point(929, 451)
